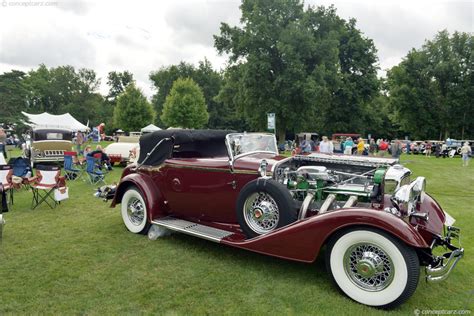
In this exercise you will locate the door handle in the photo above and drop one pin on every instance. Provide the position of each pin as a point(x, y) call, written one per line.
point(233, 184)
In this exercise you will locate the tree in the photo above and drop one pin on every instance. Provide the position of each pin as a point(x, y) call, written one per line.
point(185, 106)
point(133, 111)
point(313, 69)
point(432, 88)
point(13, 92)
point(62, 89)
point(117, 82)
point(209, 80)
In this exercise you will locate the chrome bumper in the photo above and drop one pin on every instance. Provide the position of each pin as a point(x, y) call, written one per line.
point(443, 265)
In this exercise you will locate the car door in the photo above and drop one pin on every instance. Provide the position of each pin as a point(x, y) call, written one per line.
point(202, 189)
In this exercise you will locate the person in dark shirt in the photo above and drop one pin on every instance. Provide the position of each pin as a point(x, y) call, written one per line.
point(103, 156)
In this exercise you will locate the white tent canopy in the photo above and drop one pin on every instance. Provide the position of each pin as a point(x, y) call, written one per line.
point(55, 121)
point(150, 128)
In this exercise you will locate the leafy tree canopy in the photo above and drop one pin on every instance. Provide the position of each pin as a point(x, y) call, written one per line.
point(185, 106)
point(431, 90)
point(209, 80)
point(13, 93)
point(313, 69)
point(117, 82)
point(133, 111)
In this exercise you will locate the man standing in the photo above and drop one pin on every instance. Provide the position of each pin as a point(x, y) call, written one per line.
point(326, 146)
point(396, 149)
point(306, 144)
point(79, 141)
point(466, 151)
point(383, 146)
point(372, 147)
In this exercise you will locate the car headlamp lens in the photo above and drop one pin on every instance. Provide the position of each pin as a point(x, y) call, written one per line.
point(407, 196)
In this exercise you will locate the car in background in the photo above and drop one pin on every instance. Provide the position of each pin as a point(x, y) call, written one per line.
point(417, 147)
point(454, 146)
point(124, 150)
point(47, 145)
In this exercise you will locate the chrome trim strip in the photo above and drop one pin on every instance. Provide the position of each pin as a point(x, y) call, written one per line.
point(201, 168)
point(348, 160)
point(191, 228)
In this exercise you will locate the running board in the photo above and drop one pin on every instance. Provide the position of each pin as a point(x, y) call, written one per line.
point(191, 228)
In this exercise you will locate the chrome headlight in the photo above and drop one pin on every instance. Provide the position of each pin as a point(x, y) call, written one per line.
point(262, 169)
point(407, 196)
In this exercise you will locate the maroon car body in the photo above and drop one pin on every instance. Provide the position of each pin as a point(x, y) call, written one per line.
point(193, 181)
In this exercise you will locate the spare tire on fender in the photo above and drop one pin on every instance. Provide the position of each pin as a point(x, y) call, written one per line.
point(264, 205)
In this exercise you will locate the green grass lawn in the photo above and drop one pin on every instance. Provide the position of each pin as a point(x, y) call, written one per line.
point(79, 258)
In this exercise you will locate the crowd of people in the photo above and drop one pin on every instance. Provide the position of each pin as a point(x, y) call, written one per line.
point(380, 147)
point(349, 146)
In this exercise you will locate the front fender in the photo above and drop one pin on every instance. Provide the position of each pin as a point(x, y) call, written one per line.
point(303, 239)
point(152, 195)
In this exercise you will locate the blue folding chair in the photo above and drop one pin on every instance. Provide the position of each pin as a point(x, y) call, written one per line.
point(95, 175)
point(71, 173)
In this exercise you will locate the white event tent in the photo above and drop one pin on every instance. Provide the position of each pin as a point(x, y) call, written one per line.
point(55, 121)
point(150, 129)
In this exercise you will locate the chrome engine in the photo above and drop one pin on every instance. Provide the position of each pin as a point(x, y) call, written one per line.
point(320, 183)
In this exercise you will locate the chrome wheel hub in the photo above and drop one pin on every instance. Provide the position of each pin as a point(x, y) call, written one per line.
point(261, 213)
point(135, 211)
point(368, 266)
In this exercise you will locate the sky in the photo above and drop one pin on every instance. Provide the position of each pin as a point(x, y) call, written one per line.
point(142, 36)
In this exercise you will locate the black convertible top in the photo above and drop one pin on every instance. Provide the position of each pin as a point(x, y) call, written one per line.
point(185, 143)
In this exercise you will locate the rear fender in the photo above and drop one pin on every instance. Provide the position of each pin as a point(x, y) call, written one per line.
point(303, 240)
point(152, 196)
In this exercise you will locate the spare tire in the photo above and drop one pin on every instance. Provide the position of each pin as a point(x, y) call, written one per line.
point(264, 205)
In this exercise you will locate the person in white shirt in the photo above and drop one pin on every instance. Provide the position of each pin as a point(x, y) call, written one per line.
point(326, 146)
point(466, 151)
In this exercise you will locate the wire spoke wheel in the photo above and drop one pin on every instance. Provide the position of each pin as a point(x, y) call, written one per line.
point(261, 212)
point(368, 266)
point(135, 211)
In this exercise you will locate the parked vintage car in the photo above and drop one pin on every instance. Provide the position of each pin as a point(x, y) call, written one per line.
point(377, 224)
point(124, 150)
point(48, 145)
point(454, 146)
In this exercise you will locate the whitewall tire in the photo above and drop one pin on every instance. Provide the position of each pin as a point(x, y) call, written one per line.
point(134, 211)
point(372, 267)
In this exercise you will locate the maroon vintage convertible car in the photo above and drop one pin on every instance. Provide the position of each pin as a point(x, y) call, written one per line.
point(378, 226)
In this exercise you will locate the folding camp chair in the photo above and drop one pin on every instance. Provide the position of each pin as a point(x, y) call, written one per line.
point(47, 180)
point(95, 175)
point(71, 173)
point(100, 164)
point(6, 173)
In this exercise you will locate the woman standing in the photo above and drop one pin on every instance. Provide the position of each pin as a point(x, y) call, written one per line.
point(348, 144)
point(360, 147)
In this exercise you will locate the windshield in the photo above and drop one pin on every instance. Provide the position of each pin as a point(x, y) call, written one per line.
point(52, 135)
point(251, 142)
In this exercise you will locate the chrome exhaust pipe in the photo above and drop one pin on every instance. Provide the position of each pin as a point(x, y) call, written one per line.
point(351, 201)
point(327, 203)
